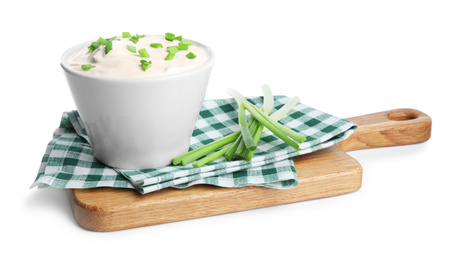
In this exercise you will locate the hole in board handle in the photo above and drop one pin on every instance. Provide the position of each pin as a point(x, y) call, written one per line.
point(403, 115)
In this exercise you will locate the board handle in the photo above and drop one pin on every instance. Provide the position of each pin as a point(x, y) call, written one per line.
point(388, 128)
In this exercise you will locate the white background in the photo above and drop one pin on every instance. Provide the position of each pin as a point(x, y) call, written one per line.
point(346, 58)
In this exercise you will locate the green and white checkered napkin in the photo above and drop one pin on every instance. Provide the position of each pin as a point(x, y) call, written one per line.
point(69, 161)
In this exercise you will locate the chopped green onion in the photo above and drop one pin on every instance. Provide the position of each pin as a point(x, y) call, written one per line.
point(179, 38)
point(171, 52)
point(102, 41)
point(131, 48)
point(108, 47)
point(156, 45)
point(169, 36)
point(169, 56)
point(191, 55)
point(144, 53)
point(172, 49)
point(183, 47)
point(140, 36)
point(188, 42)
point(146, 64)
point(87, 66)
point(93, 46)
point(126, 35)
point(184, 44)
point(112, 39)
point(134, 39)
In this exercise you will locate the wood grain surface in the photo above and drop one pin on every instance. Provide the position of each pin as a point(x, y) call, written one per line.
point(388, 128)
point(321, 174)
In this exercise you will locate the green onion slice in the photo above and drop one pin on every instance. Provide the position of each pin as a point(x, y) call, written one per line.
point(172, 49)
point(171, 52)
point(102, 41)
point(131, 48)
point(87, 66)
point(183, 47)
point(134, 39)
point(169, 36)
point(156, 45)
point(188, 42)
point(144, 53)
point(191, 55)
point(93, 46)
point(126, 35)
point(112, 39)
point(179, 38)
point(108, 47)
point(184, 44)
point(146, 64)
point(169, 56)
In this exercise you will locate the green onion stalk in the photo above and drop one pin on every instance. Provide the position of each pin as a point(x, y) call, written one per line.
point(242, 144)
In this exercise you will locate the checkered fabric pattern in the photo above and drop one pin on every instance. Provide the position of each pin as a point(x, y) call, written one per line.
point(69, 161)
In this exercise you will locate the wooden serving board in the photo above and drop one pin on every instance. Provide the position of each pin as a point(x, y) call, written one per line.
point(325, 173)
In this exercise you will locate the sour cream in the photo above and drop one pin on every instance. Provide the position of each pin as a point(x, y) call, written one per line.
point(122, 63)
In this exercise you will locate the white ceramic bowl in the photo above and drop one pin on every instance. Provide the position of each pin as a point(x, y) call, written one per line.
point(139, 123)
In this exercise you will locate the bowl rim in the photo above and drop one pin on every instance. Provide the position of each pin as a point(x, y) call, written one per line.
point(205, 66)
